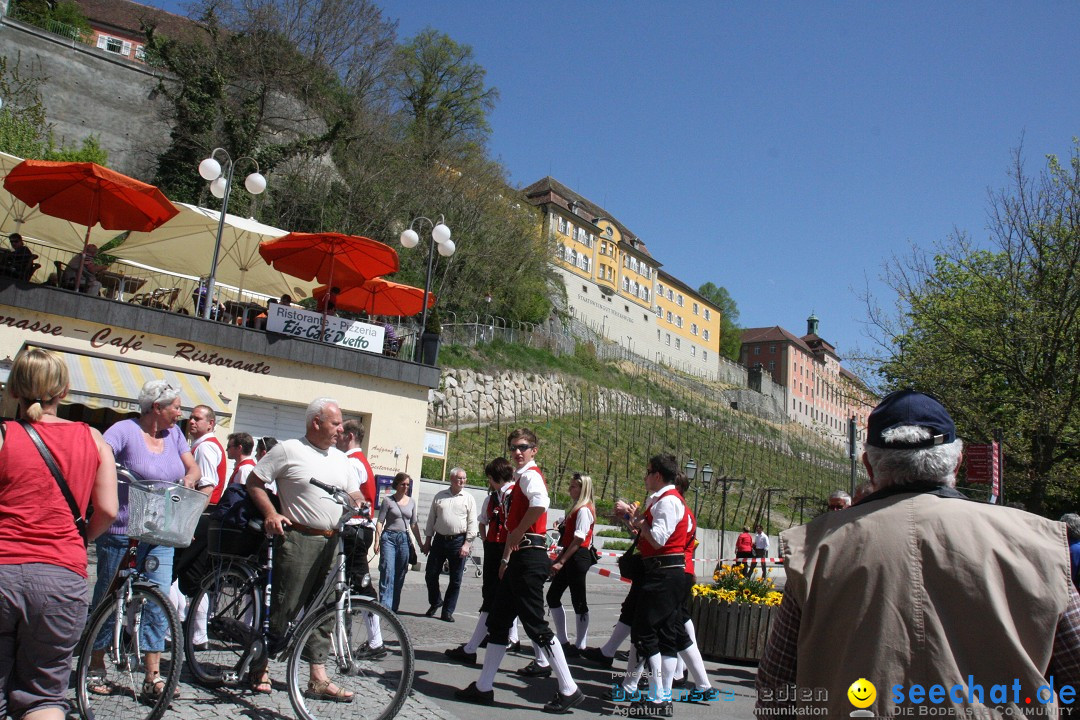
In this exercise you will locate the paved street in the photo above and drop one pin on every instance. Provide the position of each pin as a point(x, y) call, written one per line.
point(437, 677)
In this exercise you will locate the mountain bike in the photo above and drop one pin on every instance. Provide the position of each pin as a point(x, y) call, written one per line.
point(371, 653)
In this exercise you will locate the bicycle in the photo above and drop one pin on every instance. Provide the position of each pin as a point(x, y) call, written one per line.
point(135, 626)
point(371, 653)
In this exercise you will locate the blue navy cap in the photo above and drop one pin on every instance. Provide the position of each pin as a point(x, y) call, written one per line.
point(908, 407)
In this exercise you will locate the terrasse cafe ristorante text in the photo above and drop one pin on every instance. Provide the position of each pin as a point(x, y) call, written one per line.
point(298, 322)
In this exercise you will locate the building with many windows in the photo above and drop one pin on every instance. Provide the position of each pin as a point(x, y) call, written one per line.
point(616, 286)
point(821, 393)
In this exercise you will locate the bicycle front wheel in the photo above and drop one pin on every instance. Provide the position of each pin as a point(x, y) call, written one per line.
point(125, 639)
point(221, 625)
point(364, 649)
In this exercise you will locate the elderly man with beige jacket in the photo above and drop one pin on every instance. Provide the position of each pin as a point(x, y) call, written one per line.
point(917, 600)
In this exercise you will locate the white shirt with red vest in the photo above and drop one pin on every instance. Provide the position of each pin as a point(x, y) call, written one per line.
point(492, 514)
point(210, 457)
point(241, 471)
point(363, 469)
point(667, 523)
point(529, 491)
point(579, 524)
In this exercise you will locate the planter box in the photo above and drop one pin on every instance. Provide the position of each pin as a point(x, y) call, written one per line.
point(731, 631)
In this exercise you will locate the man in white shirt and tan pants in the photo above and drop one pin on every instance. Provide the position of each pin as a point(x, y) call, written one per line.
point(451, 530)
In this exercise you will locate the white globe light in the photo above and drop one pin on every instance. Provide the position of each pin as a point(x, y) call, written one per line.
point(441, 233)
point(446, 249)
point(255, 183)
point(210, 169)
point(217, 188)
point(409, 238)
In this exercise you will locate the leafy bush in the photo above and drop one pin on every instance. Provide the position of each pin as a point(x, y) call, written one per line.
point(613, 532)
point(616, 544)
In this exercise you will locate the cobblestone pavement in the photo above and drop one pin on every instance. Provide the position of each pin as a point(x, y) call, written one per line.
point(436, 676)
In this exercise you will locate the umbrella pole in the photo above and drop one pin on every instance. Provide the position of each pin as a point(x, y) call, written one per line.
point(326, 301)
point(82, 261)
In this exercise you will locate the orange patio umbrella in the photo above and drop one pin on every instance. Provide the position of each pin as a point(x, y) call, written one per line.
point(331, 258)
point(88, 194)
point(380, 296)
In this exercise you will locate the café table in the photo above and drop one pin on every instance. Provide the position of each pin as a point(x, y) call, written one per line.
point(117, 284)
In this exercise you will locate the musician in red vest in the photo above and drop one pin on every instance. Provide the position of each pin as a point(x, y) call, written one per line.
point(208, 451)
point(523, 569)
point(664, 532)
point(238, 448)
point(360, 532)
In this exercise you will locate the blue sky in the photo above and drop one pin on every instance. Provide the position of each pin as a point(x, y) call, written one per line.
point(783, 150)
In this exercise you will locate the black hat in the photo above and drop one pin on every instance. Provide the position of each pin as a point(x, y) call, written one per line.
point(907, 407)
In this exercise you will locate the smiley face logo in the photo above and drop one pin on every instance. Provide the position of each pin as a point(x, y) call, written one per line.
point(862, 693)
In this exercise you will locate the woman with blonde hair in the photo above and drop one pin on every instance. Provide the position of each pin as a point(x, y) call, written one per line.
point(572, 565)
point(43, 592)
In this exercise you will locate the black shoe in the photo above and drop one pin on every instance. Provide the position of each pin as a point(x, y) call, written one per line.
point(202, 647)
point(512, 647)
point(561, 704)
point(680, 683)
point(570, 650)
point(447, 617)
point(534, 670)
point(475, 695)
point(432, 610)
point(460, 653)
point(369, 653)
point(596, 657)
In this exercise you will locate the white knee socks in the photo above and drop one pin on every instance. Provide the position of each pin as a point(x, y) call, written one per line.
point(539, 655)
point(492, 659)
point(567, 686)
point(582, 631)
point(620, 632)
point(558, 621)
point(478, 633)
point(692, 657)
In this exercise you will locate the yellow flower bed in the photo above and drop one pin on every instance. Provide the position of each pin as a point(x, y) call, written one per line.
point(732, 586)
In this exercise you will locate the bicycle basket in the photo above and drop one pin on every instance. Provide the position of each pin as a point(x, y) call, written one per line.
point(164, 514)
point(232, 542)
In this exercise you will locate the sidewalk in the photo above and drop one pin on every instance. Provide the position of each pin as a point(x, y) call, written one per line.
point(437, 676)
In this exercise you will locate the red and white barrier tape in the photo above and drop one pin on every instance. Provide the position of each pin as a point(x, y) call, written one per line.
point(608, 574)
point(730, 561)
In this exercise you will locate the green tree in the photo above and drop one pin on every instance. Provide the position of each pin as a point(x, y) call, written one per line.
point(730, 337)
point(994, 330)
point(442, 90)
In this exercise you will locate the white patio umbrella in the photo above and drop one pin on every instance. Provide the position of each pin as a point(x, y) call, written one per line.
point(185, 244)
point(36, 226)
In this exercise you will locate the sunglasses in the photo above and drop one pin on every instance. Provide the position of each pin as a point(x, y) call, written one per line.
point(522, 447)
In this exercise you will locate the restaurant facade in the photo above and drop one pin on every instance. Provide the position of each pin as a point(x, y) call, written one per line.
point(257, 382)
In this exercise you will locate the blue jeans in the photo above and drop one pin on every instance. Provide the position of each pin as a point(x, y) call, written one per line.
point(445, 549)
point(110, 551)
point(393, 563)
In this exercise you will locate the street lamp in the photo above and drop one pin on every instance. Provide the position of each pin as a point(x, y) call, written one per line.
point(221, 181)
point(724, 480)
point(440, 238)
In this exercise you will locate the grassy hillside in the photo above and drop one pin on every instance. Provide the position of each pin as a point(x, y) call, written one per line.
point(614, 446)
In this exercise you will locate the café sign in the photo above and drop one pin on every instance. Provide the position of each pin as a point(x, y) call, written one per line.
point(308, 324)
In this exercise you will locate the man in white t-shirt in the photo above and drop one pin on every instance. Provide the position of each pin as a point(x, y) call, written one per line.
point(306, 553)
point(761, 551)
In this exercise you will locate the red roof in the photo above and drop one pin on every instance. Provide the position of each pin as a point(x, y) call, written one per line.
point(773, 334)
point(124, 15)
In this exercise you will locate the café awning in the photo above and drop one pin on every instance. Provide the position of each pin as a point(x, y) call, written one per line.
point(103, 382)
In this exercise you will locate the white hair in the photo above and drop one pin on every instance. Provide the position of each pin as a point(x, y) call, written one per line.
point(913, 466)
point(841, 495)
point(156, 391)
point(456, 471)
point(315, 408)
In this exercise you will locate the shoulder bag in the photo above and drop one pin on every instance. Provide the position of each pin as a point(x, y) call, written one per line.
point(80, 522)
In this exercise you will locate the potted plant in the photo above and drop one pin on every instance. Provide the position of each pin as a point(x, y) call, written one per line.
point(733, 614)
point(429, 339)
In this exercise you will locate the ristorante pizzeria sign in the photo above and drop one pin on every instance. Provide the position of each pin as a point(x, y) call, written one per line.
point(298, 322)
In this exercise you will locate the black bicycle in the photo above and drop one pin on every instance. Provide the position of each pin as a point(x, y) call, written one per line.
point(228, 631)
